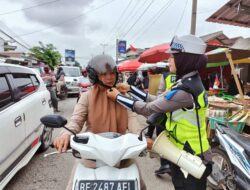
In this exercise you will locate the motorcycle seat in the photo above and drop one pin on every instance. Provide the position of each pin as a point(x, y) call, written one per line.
point(238, 138)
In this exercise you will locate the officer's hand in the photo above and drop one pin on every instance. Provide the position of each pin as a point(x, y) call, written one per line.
point(123, 87)
point(112, 93)
point(150, 143)
point(61, 143)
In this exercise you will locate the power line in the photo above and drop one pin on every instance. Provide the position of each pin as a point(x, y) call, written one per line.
point(119, 19)
point(153, 20)
point(10, 31)
point(138, 19)
point(26, 8)
point(127, 18)
point(132, 15)
point(66, 21)
point(14, 39)
point(150, 24)
point(181, 17)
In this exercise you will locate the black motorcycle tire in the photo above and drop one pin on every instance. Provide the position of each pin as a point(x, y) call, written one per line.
point(217, 151)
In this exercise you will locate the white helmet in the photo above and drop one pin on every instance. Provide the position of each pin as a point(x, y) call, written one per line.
point(187, 44)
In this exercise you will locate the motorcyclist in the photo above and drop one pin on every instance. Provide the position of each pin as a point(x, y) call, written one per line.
point(185, 106)
point(96, 110)
point(60, 80)
point(49, 80)
point(84, 73)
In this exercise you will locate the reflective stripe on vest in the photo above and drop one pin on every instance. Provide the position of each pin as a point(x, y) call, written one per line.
point(170, 80)
point(183, 127)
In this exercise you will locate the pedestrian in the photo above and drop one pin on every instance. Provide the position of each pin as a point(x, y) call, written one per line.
point(99, 112)
point(185, 106)
point(132, 78)
point(166, 82)
point(60, 80)
point(49, 79)
point(139, 80)
point(145, 81)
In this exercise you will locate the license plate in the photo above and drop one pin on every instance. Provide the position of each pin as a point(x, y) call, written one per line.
point(106, 185)
point(74, 83)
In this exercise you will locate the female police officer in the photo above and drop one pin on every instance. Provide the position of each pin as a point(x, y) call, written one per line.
point(185, 106)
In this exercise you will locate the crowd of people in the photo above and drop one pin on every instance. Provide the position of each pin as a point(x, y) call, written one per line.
point(179, 98)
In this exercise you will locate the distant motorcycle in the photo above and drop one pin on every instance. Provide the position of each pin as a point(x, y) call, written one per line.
point(231, 157)
point(83, 88)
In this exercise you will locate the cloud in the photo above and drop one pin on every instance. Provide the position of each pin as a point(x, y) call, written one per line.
point(89, 29)
point(94, 26)
point(67, 16)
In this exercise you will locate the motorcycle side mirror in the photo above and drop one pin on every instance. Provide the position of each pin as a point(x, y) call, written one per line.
point(57, 121)
point(157, 119)
point(54, 121)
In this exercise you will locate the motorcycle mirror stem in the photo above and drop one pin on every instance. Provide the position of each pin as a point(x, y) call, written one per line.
point(70, 131)
point(57, 121)
point(140, 136)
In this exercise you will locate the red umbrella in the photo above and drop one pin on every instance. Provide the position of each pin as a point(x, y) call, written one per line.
point(129, 65)
point(155, 54)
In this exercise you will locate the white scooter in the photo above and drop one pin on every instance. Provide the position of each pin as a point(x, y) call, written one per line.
point(107, 150)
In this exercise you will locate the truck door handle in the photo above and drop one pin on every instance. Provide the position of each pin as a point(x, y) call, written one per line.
point(43, 101)
point(18, 121)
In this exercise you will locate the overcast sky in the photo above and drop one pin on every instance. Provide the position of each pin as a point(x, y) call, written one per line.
point(90, 26)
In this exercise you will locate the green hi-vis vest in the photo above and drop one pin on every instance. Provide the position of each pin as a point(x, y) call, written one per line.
point(170, 79)
point(182, 124)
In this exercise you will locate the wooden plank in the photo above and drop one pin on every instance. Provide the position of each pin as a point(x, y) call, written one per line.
point(229, 57)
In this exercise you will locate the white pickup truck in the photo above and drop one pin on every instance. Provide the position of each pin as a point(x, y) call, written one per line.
point(72, 79)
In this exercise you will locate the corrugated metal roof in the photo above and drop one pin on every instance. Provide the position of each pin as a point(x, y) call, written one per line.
point(235, 12)
point(242, 44)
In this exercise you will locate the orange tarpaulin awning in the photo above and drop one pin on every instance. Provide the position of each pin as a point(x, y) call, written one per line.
point(129, 65)
point(155, 54)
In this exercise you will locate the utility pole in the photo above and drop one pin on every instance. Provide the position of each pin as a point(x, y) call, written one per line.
point(103, 47)
point(193, 18)
point(116, 50)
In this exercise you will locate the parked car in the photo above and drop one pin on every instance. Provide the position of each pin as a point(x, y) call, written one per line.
point(24, 99)
point(37, 69)
point(72, 79)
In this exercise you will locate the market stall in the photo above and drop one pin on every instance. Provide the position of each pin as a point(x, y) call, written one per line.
point(155, 54)
point(129, 65)
point(232, 111)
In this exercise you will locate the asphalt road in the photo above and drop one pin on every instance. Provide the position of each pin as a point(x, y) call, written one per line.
point(52, 172)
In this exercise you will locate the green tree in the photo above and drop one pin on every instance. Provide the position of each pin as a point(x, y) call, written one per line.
point(47, 53)
point(77, 64)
